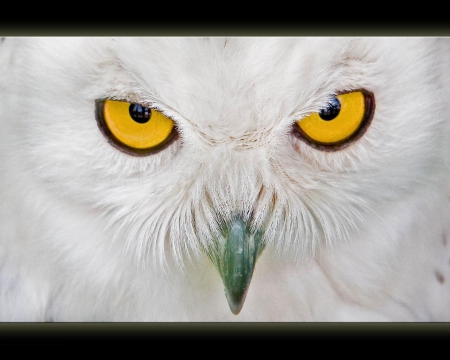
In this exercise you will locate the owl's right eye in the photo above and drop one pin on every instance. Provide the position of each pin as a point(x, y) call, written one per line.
point(133, 128)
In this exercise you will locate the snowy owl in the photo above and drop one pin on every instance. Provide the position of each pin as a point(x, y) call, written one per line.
point(241, 179)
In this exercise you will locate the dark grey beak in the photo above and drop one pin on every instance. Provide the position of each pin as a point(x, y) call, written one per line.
point(236, 261)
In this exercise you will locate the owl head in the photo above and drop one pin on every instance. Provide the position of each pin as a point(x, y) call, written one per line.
point(227, 148)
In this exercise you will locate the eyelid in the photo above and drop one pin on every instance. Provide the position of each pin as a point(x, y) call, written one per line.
point(350, 124)
point(133, 138)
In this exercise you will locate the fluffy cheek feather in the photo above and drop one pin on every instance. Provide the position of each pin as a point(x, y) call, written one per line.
point(302, 198)
point(369, 214)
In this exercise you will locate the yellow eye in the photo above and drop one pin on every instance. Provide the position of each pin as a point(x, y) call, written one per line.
point(344, 120)
point(134, 128)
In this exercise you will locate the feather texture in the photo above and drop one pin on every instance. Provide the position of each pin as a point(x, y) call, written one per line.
point(92, 233)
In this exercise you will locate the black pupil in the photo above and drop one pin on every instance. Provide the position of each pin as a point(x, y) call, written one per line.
point(139, 113)
point(331, 111)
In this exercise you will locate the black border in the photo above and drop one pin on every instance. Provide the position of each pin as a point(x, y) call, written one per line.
point(230, 27)
point(118, 333)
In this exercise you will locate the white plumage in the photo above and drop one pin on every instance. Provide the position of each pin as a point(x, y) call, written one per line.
point(243, 212)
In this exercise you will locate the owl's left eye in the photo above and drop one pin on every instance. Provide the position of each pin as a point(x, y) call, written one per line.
point(343, 120)
point(134, 128)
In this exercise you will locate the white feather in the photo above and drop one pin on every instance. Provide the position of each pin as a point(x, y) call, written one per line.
point(91, 233)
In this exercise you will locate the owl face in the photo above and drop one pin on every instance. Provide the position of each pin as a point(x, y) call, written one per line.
point(229, 147)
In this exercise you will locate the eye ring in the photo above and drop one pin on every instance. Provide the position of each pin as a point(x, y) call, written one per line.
point(120, 145)
point(367, 116)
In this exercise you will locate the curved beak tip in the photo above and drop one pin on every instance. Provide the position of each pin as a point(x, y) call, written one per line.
point(237, 261)
point(236, 301)
point(235, 308)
